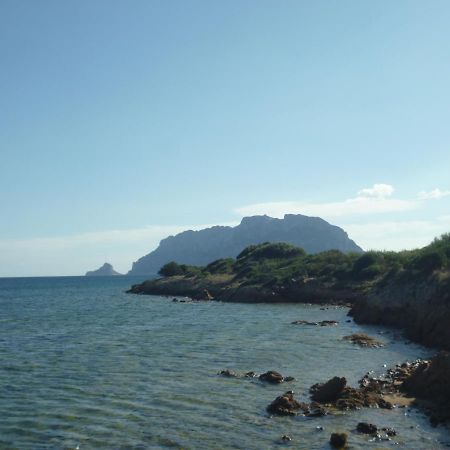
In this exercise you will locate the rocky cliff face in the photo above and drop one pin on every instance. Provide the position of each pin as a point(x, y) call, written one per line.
point(421, 306)
point(106, 270)
point(202, 247)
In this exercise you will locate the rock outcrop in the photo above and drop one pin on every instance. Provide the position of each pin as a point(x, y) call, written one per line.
point(313, 234)
point(429, 381)
point(420, 306)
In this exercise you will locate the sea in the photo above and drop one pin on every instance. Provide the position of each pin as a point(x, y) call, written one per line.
point(83, 365)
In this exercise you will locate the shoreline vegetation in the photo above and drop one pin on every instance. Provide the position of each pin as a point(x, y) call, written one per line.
point(409, 290)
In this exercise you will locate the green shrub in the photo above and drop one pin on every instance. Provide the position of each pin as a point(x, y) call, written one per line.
point(224, 265)
point(271, 251)
point(430, 261)
point(171, 269)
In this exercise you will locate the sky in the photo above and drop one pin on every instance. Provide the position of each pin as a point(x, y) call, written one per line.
point(124, 122)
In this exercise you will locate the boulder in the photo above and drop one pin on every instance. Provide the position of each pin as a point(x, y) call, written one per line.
point(329, 391)
point(338, 440)
point(286, 405)
point(229, 373)
point(272, 377)
point(363, 340)
point(366, 428)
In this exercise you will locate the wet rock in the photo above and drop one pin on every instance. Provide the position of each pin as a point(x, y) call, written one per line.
point(250, 374)
point(329, 391)
point(204, 295)
point(389, 431)
point(272, 377)
point(323, 323)
point(316, 410)
point(366, 428)
point(338, 440)
point(429, 381)
point(174, 299)
point(335, 392)
point(286, 405)
point(286, 438)
point(287, 379)
point(303, 322)
point(326, 323)
point(363, 340)
point(228, 373)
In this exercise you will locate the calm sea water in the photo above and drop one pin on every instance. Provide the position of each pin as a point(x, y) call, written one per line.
point(85, 366)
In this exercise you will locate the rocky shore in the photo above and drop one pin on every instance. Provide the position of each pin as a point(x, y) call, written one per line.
point(419, 306)
point(225, 288)
point(416, 301)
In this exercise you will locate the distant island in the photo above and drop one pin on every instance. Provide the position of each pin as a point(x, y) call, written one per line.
point(106, 270)
point(313, 234)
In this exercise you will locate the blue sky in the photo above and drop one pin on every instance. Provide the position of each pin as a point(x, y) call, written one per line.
point(123, 122)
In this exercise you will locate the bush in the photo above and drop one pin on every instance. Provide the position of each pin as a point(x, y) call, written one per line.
point(171, 269)
point(224, 265)
point(271, 251)
point(430, 261)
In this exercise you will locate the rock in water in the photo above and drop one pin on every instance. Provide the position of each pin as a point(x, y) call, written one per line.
point(430, 381)
point(106, 270)
point(286, 405)
point(272, 377)
point(338, 440)
point(366, 428)
point(329, 391)
point(363, 340)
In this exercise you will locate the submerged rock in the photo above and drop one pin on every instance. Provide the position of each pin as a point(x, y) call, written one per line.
point(323, 323)
point(338, 440)
point(272, 377)
point(389, 431)
point(363, 340)
point(229, 373)
point(366, 428)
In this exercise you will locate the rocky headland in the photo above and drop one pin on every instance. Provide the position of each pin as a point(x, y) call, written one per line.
point(407, 290)
point(203, 246)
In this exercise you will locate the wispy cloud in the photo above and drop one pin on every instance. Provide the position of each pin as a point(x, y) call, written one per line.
point(373, 200)
point(377, 191)
point(398, 235)
point(435, 194)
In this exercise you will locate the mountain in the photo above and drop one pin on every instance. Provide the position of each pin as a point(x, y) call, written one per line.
point(201, 247)
point(106, 270)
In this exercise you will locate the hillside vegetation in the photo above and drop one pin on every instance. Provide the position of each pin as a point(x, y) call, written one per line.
point(273, 264)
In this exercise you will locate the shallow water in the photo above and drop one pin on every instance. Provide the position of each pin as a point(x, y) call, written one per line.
point(84, 365)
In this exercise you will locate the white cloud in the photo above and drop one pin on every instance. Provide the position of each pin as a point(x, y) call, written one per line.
point(433, 194)
point(377, 191)
point(373, 200)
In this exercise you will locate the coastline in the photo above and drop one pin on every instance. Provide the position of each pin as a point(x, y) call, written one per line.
point(419, 307)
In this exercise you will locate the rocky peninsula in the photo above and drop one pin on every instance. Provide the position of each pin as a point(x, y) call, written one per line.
point(409, 290)
point(203, 246)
